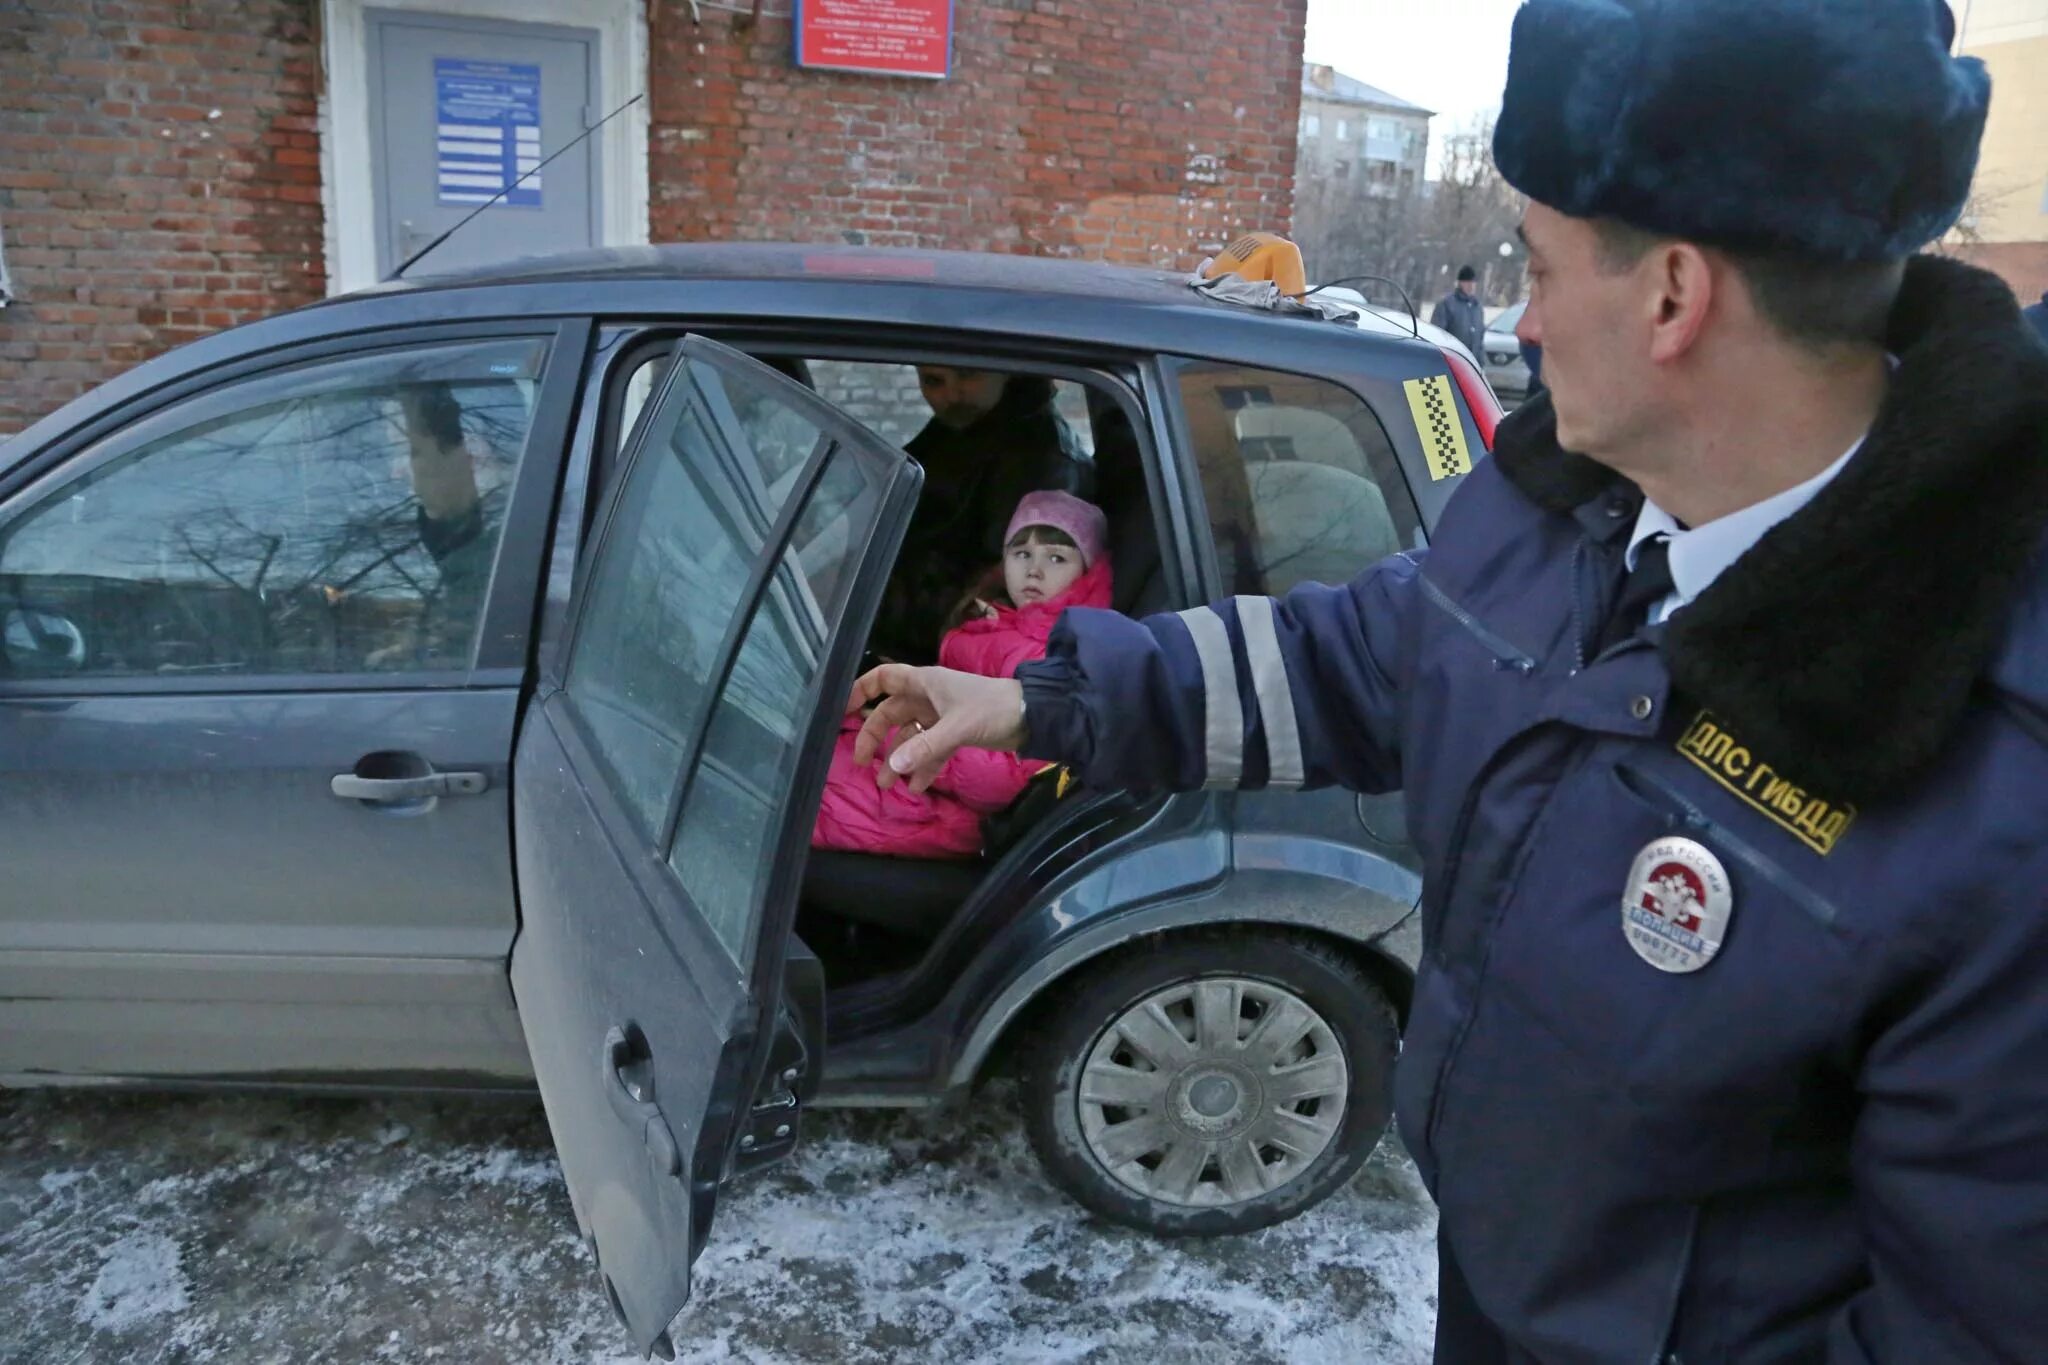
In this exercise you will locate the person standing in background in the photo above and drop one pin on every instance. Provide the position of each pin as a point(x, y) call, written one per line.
point(1459, 312)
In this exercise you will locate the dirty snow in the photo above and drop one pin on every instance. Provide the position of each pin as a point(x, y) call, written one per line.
point(140, 1279)
point(180, 1229)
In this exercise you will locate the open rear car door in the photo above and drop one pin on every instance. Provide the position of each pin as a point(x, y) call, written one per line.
point(674, 746)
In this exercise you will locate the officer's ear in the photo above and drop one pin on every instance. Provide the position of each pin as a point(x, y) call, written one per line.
point(1685, 281)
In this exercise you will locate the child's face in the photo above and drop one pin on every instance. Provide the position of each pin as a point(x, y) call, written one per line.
point(1037, 572)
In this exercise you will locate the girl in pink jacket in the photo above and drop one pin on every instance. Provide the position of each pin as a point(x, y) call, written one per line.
point(1054, 557)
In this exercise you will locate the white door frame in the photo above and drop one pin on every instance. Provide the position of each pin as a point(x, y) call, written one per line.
point(347, 181)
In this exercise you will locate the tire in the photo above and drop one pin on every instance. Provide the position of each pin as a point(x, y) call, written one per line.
point(1200, 1138)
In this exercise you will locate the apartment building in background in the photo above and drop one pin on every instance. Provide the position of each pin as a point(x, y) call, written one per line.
point(1354, 132)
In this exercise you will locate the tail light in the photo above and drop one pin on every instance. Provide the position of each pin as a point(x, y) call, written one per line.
point(1485, 408)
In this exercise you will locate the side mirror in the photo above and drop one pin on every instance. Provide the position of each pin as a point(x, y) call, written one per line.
point(40, 644)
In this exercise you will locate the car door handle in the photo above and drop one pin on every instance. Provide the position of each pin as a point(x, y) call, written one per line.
point(628, 1081)
point(350, 787)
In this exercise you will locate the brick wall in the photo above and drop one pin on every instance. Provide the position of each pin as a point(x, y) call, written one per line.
point(159, 159)
point(1144, 131)
point(886, 399)
point(159, 179)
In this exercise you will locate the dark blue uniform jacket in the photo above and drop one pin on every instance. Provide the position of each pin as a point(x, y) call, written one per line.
point(1832, 1140)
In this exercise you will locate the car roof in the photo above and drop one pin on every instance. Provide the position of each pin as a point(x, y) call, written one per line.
point(774, 262)
point(1018, 299)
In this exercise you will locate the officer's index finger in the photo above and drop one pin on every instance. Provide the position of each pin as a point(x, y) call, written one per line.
point(882, 681)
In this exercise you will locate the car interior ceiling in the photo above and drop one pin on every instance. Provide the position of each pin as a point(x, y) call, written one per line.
point(868, 916)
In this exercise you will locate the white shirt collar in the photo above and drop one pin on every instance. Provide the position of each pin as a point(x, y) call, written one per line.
point(1700, 554)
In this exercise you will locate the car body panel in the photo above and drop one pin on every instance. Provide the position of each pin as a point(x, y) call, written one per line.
point(1268, 889)
point(1505, 368)
point(1184, 863)
point(190, 846)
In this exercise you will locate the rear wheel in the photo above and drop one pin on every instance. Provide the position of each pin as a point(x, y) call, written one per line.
point(1213, 1083)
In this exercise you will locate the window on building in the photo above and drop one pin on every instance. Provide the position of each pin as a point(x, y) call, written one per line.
point(1302, 484)
point(1311, 125)
point(1341, 170)
point(1343, 130)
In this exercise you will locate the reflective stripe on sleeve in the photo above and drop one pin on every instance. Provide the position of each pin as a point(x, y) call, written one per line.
point(1223, 715)
point(1269, 683)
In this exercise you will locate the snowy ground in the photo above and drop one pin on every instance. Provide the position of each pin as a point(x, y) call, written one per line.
point(173, 1229)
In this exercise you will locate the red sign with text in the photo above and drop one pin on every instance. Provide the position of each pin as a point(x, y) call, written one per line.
point(880, 37)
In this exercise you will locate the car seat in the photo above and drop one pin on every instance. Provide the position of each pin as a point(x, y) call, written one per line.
point(1319, 514)
point(914, 897)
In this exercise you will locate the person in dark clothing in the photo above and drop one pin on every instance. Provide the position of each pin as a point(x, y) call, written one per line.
point(2037, 313)
point(1719, 707)
point(1459, 312)
point(992, 438)
point(450, 519)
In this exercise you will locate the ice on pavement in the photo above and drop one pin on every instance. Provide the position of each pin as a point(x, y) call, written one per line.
point(201, 1229)
point(140, 1279)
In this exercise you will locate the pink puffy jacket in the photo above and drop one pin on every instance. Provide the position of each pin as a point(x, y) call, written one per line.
point(945, 822)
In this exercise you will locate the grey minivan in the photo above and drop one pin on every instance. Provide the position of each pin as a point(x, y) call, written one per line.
point(433, 688)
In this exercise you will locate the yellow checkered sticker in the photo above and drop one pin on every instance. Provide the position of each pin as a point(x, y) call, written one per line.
point(1435, 409)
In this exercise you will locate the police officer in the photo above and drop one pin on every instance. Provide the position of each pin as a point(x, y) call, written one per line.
point(1720, 704)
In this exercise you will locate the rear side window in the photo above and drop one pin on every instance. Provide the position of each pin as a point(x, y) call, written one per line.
point(1301, 481)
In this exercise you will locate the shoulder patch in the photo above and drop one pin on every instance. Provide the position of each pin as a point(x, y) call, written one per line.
point(1813, 820)
point(1434, 406)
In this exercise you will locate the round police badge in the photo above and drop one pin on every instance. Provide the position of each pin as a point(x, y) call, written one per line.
point(1675, 911)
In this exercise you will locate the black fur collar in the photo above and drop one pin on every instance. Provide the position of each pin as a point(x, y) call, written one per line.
point(1846, 643)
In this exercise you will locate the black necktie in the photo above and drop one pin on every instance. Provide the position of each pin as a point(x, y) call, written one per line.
point(1647, 584)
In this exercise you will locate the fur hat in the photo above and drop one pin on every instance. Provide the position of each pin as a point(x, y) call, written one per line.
point(1466, 272)
point(1082, 521)
point(1833, 130)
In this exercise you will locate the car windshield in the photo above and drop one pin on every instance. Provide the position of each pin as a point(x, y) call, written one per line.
point(1509, 319)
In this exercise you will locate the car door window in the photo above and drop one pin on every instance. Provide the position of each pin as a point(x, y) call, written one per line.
point(722, 846)
point(335, 518)
point(691, 520)
point(1301, 481)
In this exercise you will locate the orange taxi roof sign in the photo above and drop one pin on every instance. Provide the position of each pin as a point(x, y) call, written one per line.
point(1262, 256)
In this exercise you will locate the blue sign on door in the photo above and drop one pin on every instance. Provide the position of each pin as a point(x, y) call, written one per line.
point(489, 131)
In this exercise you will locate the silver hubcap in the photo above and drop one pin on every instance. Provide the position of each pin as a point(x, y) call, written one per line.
point(1213, 1092)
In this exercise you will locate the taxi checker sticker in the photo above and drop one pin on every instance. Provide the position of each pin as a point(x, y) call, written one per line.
point(1435, 410)
point(1675, 911)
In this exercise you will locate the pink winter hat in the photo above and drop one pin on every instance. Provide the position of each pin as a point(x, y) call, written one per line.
point(1083, 521)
